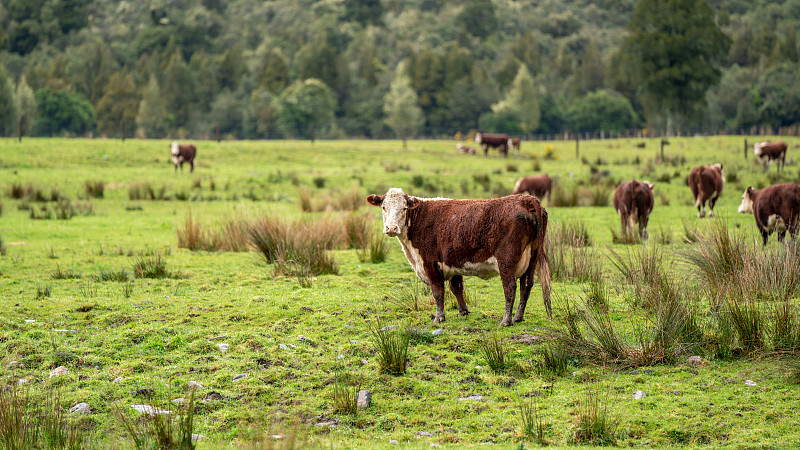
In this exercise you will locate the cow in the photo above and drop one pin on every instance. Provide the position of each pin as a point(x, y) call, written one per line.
point(445, 239)
point(538, 185)
point(464, 150)
point(183, 153)
point(706, 185)
point(633, 201)
point(769, 151)
point(776, 209)
point(498, 141)
point(514, 144)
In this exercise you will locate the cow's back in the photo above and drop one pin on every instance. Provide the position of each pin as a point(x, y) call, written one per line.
point(633, 196)
point(705, 182)
point(538, 185)
point(188, 151)
point(782, 200)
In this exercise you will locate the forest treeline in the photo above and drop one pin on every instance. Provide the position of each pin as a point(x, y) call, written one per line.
point(394, 68)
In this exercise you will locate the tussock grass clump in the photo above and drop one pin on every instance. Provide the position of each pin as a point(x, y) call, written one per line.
point(3, 249)
point(232, 236)
point(411, 296)
point(145, 191)
point(495, 352)
point(120, 275)
point(297, 248)
point(553, 360)
point(192, 235)
point(563, 197)
point(572, 233)
point(161, 428)
point(598, 195)
point(65, 274)
point(630, 236)
point(376, 251)
point(570, 263)
point(595, 425)
point(532, 425)
point(344, 396)
point(391, 346)
point(358, 229)
point(152, 266)
point(43, 291)
point(27, 422)
point(94, 189)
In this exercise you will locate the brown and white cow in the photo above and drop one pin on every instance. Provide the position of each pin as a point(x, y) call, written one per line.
point(446, 239)
point(776, 208)
point(769, 151)
point(183, 153)
point(464, 150)
point(706, 185)
point(633, 201)
point(498, 141)
point(538, 185)
point(514, 144)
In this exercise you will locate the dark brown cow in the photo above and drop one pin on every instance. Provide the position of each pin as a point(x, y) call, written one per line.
point(463, 149)
point(498, 141)
point(706, 185)
point(769, 151)
point(538, 185)
point(776, 208)
point(183, 153)
point(633, 201)
point(446, 239)
point(514, 144)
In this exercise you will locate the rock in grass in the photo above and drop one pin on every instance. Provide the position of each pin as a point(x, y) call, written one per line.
point(423, 434)
point(81, 408)
point(223, 348)
point(364, 398)
point(471, 398)
point(695, 360)
point(194, 385)
point(750, 383)
point(58, 371)
point(196, 437)
point(638, 395)
point(241, 376)
point(394, 442)
point(438, 332)
point(117, 380)
point(16, 365)
point(150, 409)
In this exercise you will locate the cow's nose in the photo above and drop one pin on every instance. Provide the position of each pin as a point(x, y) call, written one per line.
point(391, 230)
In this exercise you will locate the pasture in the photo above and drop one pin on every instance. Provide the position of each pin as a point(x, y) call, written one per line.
point(75, 294)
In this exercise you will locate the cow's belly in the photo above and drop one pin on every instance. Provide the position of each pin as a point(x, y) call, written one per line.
point(486, 269)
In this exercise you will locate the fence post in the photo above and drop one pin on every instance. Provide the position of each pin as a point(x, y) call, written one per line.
point(745, 148)
point(577, 145)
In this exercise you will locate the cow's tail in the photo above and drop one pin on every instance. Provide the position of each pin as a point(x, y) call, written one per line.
point(540, 264)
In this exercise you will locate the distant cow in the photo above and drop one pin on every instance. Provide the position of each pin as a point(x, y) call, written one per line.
point(514, 144)
point(706, 185)
point(633, 201)
point(183, 153)
point(463, 149)
point(538, 185)
point(446, 239)
point(776, 208)
point(498, 141)
point(769, 151)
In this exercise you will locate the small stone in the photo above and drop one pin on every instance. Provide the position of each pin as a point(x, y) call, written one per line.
point(277, 437)
point(750, 383)
point(194, 385)
point(364, 362)
point(434, 445)
point(423, 434)
point(438, 332)
point(340, 356)
point(117, 380)
point(394, 442)
point(144, 392)
point(150, 409)
point(695, 360)
point(328, 423)
point(353, 341)
point(302, 338)
point(213, 396)
point(21, 381)
point(16, 365)
point(738, 414)
point(364, 398)
point(638, 395)
point(239, 377)
point(283, 347)
point(81, 408)
point(390, 328)
point(471, 397)
point(179, 401)
point(196, 437)
point(30, 321)
point(223, 347)
point(58, 371)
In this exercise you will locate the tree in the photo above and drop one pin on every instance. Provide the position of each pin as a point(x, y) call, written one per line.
point(274, 73)
point(675, 50)
point(600, 110)
point(8, 113)
point(521, 101)
point(590, 74)
point(403, 114)
point(478, 18)
point(62, 112)
point(152, 119)
point(117, 109)
point(25, 107)
point(305, 107)
point(260, 115)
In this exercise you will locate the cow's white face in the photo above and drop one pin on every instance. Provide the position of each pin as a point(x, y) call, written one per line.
point(477, 138)
point(395, 205)
point(175, 149)
point(757, 148)
point(747, 201)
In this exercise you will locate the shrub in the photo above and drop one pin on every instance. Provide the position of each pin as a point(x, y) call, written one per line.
point(319, 182)
point(391, 347)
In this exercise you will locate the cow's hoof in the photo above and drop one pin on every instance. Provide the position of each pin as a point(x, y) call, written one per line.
point(518, 319)
point(438, 319)
point(464, 312)
point(711, 214)
point(505, 322)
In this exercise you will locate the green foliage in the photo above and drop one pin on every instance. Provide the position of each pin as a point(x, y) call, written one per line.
point(521, 101)
point(305, 108)
point(390, 345)
point(403, 113)
point(8, 107)
point(601, 110)
point(61, 111)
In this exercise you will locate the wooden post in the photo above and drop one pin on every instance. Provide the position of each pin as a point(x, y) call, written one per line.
point(19, 130)
point(662, 149)
point(218, 134)
point(122, 122)
point(577, 145)
point(745, 148)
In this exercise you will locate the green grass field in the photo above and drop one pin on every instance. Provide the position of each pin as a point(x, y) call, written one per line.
point(160, 333)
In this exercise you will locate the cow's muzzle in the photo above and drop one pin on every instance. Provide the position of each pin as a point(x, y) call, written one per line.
point(391, 230)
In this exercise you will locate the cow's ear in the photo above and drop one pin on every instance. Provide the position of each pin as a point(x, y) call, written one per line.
point(412, 202)
point(375, 200)
point(649, 185)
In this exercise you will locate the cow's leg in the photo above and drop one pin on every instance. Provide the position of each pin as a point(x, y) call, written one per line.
point(711, 202)
point(437, 286)
point(191, 163)
point(643, 227)
point(457, 288)
point(781, 236)
point(525, 285)
point(764, 236)
point(510, 290)
point(701, 209)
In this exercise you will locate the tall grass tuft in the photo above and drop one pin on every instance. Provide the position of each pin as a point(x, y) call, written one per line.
point(495, 352)
point(391, 347)
point(410, 297)
point(531, 423)
point(192, 235)
point(594, 425)
point(27, 423)
point(94, 189)
point(152, 266)
point(43, 291)
point(563, 197)
point(357, 229)
point(599, 195)
point(232, 236)
point(718, 256)
point(2, 246)
point(785, 331)
point(554, 360)
point(345, 395)
point(748, 321)
point(630, 236)
point(161, 428)
point(299, 248)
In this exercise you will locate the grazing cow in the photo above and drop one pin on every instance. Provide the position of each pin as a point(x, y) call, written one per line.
point(514, 144)
point(706, 185)
point(538, 185)
point(498, 141)
point(776, 208)
point(769, 151)
point(633, 201)
point(183, 153)
point(446, 239)
point(463, 149)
